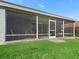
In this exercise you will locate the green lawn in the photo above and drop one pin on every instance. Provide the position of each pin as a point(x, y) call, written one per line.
point(41, 50)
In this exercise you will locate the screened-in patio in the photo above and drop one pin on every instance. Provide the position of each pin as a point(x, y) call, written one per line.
point(26, 25)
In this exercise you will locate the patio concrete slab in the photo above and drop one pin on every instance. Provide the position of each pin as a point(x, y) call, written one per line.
point(57, 41)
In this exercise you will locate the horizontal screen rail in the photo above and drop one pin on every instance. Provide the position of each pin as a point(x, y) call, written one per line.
point(23, 34)
point(18, 34)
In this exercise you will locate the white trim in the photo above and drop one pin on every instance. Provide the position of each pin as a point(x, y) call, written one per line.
point(63, 28)
point(36, 27)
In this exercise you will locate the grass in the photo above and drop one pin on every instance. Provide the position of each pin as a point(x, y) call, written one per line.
point(41, 50)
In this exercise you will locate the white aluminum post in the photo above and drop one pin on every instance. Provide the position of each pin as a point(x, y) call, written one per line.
point(63, 28)
point(49, 29)
point(36, 27)
point(74, 29)
point(55, 27)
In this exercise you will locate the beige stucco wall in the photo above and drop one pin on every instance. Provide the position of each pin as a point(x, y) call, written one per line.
point(2, 26)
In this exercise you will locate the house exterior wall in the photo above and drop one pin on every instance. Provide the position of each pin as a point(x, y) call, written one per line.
point(2, 25)
point(77, 32)
point(77, 28)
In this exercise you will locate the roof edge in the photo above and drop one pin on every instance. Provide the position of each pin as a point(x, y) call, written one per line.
point(53, 15)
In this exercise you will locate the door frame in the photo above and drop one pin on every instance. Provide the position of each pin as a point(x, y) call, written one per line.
point(51, 37)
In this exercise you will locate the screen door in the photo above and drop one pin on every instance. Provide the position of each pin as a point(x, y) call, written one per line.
point(52, 29)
